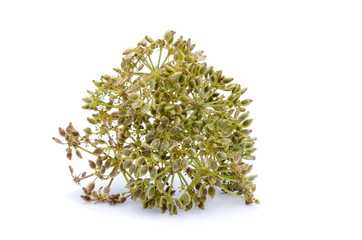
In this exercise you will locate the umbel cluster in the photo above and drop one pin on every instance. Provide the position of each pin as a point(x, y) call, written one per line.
point(163, 118)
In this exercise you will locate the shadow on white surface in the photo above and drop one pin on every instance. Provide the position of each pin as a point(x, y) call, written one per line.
point(221, 204)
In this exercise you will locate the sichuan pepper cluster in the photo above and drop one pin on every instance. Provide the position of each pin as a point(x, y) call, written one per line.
point(163, 118)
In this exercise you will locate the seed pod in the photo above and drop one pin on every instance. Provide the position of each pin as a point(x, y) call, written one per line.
point(185, 98)
point(137, 104)
point(173, 149)
point(113, 174)
point(176, 76)
point(78, 153)
point(99, 162)
point(202, 146)
point(106, 190)
point(57, 140)
point(127, 163)
point(177, 120)
point(62, 132)
point(87, 99)
point(146, 108)
point(151, 135)
point(245, 132)
point(248, 157)
point(179, 204)
point(184, 164)
point(221, 156)
point(86, 192)
point(168, 34)
point(213, 164)
point(176, 165)
point(170, 207)
point(177, 87)
point(191, 152)
point(98, 151)
point(153, 173)
point(91, 120)
point(192, 83)
point(156, 157)
point(122, 200)
point(136, 194)
point(151, 192)
point(90, 186)
point(107, 164)
point(140, 161)
point(186, 198)
point(132, 169)
point(143, 196)
point(88, 131)
point(211, 191)
point(196, 200)
point(179, 55)
point(197, 124)
point(243, 116)
point(160, 186)
point(187, 141)
point(227, 80)
point(164, 145)
point(189, 207)
point(102, 170)
point(126, 151)
point(71, 170)
point(245, 102)
point(161, 127)
point(133, 96)
point(143, 170)
point(97, 84)
point(155, 143)
point(247, 123)
point(86, 198)
point(226, 133)
point(250, 150)
point(233, 97)
point(252, 177)
point(69, 155)
point(218, 183)
point(223, 123)
point(92, 164)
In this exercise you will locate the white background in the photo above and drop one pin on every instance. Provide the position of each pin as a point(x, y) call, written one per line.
point(301, 61)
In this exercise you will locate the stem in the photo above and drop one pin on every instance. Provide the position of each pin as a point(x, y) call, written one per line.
point(140, 73)
point(169, 190)
point(193, 183)
point(153, 67)
point(107, 105)
point(234, 194)
point(168, 54)
point(182, 178)
point(86, 150)
point(159, 58)
point(110, 182)
point(170, 62)
point(145, 63)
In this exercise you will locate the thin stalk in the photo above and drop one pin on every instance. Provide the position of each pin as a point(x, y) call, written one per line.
point(107, 105)
point(234, 194)
point(173, 177)
point(193, 183)
point(153, 67)
point(182, 177)
point(146, 64)
point(162, 173)
point(168, 54)
point(85, 150)
point(159, 58)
